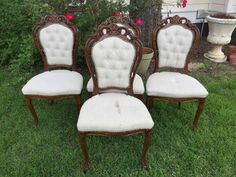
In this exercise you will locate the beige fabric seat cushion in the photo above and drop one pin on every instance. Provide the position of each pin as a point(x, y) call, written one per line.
point(174, 85)
point(114, 112)
point(53, 83)
point(138, 85)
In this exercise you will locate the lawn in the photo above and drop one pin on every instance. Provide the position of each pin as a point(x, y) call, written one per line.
point(52, 149)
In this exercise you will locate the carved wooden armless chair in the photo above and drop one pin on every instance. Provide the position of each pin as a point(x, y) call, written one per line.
point(57, 40)
point(174, 40)
point(135, 30)
point(112, 56)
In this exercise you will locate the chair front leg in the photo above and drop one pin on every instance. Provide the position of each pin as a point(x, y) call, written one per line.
point(84, 148)
point(29, 104)
point(147, 143)
point(201, 105)
point(149, 102)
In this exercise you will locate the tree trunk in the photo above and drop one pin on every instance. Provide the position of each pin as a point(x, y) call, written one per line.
point(150, 12)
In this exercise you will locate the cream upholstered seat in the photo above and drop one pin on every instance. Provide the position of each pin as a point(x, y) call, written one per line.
point(138, 85)
point(114, 112)
point(54, 83)
point(174, 85)
point(57, 41)
point(174, 40)
point(113, 54)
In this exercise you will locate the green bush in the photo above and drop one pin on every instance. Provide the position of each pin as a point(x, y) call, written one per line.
point(19, 16)
point(17, 19)
point(88, 19)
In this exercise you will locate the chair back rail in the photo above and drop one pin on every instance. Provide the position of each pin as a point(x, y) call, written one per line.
point(174, 41)
point(112, 55)
point(123, 21)
point(57, 41)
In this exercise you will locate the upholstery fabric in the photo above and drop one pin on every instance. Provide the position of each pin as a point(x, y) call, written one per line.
point(57, 41)
point(113, 59)
point(53, 83)
point(174, 85)
point(138, 85)
point(114, 112)
point(174, 43)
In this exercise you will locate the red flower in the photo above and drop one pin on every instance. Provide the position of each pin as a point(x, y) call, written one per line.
point(139, 22)
point(117, 13)
point(184, 3)
point(70, 16)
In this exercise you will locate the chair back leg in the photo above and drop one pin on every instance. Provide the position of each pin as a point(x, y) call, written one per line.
point(78, 102)
point(149, 102)
point(29, 104)
point(201, 105)
point(147, 143)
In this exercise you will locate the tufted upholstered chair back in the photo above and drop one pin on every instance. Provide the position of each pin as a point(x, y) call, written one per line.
point(57, 40)
point(173, 42)
point(113, 55)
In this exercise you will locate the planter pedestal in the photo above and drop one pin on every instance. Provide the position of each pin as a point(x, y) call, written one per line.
point(148, 54)
point(216, 54)
point(220, 31)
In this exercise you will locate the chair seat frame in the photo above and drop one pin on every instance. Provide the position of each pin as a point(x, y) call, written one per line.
point(184, 22)
point(113, 30)
point(47, 20)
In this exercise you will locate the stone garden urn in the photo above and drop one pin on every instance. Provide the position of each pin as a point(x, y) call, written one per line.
point(148, 54)
point(220, 31)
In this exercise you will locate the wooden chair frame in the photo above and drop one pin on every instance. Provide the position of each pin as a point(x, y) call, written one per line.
point(129, 24)
point(47, 20)
point(184, 22)
point(113, 30)
point(126, 21)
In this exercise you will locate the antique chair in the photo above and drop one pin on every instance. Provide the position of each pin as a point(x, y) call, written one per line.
point(112, 56)
point(57, 40)
point(174, 40)
point(135, 30)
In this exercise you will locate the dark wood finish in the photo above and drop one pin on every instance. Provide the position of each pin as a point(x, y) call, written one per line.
point(176, 20)
point(146, 145)
point(28, 102)
point(126, 21)
point(84, 149)
point(47, 20)
point(56, 19)
point(113, 30)
point(201, 106)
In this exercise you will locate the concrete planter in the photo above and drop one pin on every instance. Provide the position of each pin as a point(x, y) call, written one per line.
point(220, 31)
point(146, 59)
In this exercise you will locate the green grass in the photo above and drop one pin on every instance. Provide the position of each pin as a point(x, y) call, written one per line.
point(52, 149)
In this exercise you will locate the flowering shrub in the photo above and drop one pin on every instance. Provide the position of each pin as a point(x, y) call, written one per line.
point(178, 3)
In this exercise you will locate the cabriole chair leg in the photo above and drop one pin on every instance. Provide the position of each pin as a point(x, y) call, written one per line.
point(85, 165)
point(201, 105)
point(29, 104)
point(147, 143)
point(51, 102)
point(149, 103)
point(179, 105)
point(78, 102)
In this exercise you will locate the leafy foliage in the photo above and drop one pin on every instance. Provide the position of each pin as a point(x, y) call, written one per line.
point(19, 16)
point(17, 20)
